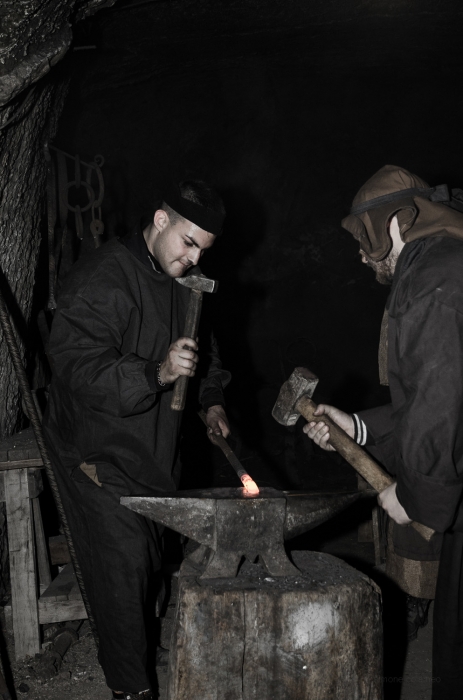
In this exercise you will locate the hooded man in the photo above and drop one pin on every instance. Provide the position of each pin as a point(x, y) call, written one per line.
point(116, 350)
point(412, 236)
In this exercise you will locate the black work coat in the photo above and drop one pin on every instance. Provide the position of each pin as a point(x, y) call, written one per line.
point(419, 435)
point(116, 317)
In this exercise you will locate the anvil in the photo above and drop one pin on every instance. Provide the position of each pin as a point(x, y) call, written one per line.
point(231, 525)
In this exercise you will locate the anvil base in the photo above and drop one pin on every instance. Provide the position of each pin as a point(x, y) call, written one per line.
point(255, 637)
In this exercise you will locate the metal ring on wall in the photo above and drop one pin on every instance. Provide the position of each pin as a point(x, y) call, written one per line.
point(90, 192)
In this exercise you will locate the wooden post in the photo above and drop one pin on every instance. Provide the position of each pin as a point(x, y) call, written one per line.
point(22, 562)
point(317, 635)
point(20, 487)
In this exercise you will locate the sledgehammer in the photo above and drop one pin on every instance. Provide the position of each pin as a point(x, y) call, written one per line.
point(197, 284)
point(294, 400)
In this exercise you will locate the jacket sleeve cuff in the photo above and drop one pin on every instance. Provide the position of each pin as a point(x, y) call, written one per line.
point(152, 377)
point(360, 430)
point(212, 398)
point(378, 422)
point(427, 500)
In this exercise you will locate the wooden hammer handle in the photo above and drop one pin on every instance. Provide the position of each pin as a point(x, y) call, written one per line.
point(190, 331)
point(355, 455)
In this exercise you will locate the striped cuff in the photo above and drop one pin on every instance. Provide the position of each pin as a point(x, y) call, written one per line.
point(360, 430)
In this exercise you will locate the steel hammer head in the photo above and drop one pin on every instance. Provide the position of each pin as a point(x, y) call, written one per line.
point(301, 382)
point(198, 282)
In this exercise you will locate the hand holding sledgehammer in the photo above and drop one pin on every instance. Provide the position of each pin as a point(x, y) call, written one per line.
point(198, 284)
point(294, 400)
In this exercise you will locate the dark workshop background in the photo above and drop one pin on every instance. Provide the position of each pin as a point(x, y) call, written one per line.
point(288, 107)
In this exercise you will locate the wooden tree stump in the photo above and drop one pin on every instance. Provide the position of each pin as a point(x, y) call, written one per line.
point(316, 636)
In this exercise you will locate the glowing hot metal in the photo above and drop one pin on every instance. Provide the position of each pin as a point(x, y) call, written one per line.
point(250, 486)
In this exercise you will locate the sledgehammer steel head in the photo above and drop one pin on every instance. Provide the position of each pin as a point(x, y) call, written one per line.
point(198, 282)
point(301, 383)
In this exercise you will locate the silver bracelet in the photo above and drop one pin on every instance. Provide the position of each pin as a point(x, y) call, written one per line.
point(158, 374)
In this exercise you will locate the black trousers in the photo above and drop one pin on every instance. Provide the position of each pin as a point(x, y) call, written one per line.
point(448, 622)
point(119, 554)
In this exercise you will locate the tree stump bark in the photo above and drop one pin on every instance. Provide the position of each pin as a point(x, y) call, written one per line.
point(316, 636)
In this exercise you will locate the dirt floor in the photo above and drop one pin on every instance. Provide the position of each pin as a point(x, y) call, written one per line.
point(80, 676)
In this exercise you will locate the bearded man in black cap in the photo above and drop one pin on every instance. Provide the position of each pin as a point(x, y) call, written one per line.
point(116, 349)
point(412, 236)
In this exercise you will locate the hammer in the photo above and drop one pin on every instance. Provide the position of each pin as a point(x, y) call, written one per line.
point(197, 284)
point(294, 400)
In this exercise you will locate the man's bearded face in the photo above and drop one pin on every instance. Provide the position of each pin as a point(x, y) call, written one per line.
point(384, 269)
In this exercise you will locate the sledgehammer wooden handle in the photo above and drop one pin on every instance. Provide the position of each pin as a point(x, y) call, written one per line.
point(353, 453)
point(190, 331)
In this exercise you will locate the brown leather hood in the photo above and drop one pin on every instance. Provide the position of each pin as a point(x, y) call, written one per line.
point(417, 215)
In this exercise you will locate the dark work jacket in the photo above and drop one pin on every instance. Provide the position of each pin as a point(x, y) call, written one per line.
point(116, 316)
point(419, 435)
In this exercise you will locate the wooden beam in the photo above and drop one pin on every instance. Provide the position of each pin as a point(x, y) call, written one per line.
point(21, 464)
point(61, 611)
point(62, 600)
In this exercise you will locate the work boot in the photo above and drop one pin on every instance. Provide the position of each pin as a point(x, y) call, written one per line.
point(144, 695)
point(417, 615)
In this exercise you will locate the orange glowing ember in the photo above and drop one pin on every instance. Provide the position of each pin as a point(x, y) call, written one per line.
point(250, 486)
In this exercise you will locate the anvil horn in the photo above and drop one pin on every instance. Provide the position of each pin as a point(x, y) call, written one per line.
point(193, 517)
point(306, 511)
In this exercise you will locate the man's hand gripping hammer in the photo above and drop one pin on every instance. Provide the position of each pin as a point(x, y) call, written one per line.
point(295, 399)
point(197, 284)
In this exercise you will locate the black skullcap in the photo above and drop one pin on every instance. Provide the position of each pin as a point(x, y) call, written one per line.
point(204, 217)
